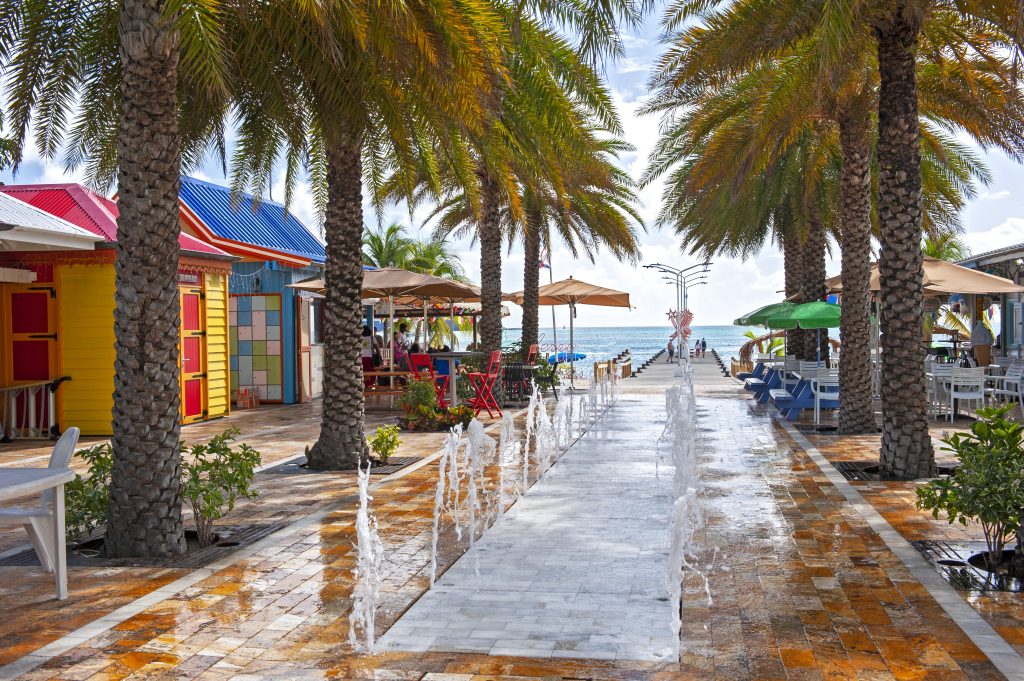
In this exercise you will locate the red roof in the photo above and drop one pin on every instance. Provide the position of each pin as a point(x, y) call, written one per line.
point(89, 210)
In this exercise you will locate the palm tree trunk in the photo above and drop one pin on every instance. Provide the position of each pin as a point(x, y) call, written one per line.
point(145, 489)
point(489, 233)
point(531, 278)
point(855, 412)
point(341, 443)
point(815, 343)
point(793, 264)
point(906, 445)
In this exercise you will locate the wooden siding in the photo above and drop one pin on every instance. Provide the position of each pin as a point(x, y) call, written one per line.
point(86, 304)
point(218, 390)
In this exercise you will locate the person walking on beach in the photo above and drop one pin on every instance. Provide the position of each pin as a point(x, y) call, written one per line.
point(671, 350)
point(703, 348)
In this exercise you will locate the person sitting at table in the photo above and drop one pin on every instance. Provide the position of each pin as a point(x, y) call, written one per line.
point(443, 365)
point(401, 341)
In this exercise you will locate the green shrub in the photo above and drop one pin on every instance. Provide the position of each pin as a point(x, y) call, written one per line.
point(461, 414)
point(384, 443)
point(418, 394)
point(214, 476)
point(988, 486)
point(86, 499)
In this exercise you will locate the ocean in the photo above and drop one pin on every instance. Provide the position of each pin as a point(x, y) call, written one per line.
point(602, 343)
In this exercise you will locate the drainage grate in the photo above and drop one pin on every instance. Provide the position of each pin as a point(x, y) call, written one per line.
point(298, 467)
point(88, 553)
point(868, 470)
point(959, 564)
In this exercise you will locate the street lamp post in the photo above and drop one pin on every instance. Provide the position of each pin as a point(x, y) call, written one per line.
point(682, 283)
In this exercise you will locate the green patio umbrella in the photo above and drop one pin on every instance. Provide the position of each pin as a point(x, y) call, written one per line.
point(815, 315)
point(759, 316)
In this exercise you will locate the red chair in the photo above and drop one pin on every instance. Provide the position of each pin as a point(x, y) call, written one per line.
point(422, 367)
point(531, 355)
point(483, 384)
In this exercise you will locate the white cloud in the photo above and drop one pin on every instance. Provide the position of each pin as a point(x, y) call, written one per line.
point(1008, 233)
point(630, 65)
point(994, 196)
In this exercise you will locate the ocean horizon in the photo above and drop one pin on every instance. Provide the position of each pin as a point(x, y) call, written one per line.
point(600, 343)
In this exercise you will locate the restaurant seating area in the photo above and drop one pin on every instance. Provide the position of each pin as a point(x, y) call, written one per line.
point(793, 386)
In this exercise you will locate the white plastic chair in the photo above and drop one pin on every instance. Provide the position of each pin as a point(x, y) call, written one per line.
point(38, 522)
point(966, 384)
point(789, 378)
point(1008, 385)
point(937, 386)
point(825, 386)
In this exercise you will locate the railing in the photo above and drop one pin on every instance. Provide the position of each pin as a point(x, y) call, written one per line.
point(30, 409)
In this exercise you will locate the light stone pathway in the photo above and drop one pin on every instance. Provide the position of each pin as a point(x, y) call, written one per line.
point(577, 570)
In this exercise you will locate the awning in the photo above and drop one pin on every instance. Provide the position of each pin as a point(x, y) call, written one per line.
point(9, 275)
point(945, 278)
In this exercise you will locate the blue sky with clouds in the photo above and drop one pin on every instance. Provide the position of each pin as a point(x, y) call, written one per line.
point(995, 218)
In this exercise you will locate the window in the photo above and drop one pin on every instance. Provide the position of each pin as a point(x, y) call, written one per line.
point(316, 331)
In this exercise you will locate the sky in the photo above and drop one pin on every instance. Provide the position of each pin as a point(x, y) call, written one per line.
point(993, 219)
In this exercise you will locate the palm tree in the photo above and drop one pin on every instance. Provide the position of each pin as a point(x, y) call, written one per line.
point(543, 67)
point(599, 210)
point(133, 63)
point(387, 247)
point(376, 87)
point(843, 89)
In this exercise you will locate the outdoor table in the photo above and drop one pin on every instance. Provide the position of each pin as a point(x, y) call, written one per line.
point(19, 482)
point(450, 357)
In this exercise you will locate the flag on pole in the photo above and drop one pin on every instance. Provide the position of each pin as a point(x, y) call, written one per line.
point(545, 260)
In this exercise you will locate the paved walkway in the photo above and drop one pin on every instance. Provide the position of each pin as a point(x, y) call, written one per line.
point(578, 571)
point(804, 580)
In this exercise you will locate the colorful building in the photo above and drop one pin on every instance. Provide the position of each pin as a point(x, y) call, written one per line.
point(1005, 262)
point(275, 330)
point(72, 296)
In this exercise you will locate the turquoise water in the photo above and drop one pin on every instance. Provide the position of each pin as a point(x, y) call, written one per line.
point(601, 343)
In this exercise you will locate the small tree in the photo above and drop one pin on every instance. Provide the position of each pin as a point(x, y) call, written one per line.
point(214, 476)
point(988, 487)
point(87, 498)
point(384, 443)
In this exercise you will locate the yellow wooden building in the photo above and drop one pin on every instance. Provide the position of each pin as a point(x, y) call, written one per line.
point(59, 328)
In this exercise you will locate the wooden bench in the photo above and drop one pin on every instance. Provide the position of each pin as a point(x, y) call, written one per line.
point(393, 389)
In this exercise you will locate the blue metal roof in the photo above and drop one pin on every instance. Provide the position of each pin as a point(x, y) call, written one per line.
point(265, 224)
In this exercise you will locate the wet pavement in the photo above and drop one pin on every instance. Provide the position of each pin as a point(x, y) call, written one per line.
point(576, 570)
point(801, 585)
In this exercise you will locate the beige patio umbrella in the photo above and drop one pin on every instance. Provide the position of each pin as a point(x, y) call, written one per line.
point(573, 292)
point(394, 282)
point(944, 278)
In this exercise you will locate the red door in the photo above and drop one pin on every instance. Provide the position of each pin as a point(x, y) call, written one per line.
point(193, 355)
point(33, 344)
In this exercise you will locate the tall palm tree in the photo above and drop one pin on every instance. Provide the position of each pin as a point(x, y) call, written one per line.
point(376, 87)
point(599, 210)
point(844, 89)
point(134, 63)
point(595, 27)
point(546, 123)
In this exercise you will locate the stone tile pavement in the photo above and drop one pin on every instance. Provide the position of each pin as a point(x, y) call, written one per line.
point(577, 571)
point(801, 585)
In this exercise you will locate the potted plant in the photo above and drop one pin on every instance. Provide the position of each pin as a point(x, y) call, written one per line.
point(418, 403)
point(384, 443)
point(461, 414)
point(987, 487)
